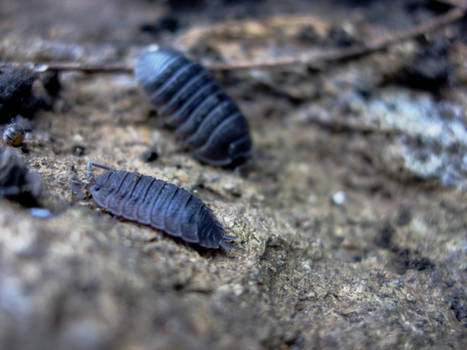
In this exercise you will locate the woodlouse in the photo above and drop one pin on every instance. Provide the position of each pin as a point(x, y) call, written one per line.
point(16, 180)
point(189, 99)
point(159, 204)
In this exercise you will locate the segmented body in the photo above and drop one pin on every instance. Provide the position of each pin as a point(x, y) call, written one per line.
point(189, 99)
point(159, 204)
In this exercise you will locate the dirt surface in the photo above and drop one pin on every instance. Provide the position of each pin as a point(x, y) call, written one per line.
point(351, 218)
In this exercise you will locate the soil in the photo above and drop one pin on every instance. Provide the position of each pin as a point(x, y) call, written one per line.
point(351, 216)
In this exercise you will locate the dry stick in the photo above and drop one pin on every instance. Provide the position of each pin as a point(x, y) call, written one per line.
point(351, 52)
point(306, 58)
point(70, 67)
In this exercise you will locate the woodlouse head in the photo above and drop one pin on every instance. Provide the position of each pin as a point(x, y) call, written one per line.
point(151, 63)
point(89, 174)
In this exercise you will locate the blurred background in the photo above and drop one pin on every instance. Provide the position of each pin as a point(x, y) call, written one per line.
point(351, 217)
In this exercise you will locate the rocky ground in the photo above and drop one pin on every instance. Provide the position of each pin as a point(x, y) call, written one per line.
point(351, 217)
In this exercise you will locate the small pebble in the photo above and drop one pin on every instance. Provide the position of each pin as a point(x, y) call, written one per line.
point(40, 213)
point(150, 155)
point(233, 188)
point(312, 199)
point(339, 198)
point(78, 150)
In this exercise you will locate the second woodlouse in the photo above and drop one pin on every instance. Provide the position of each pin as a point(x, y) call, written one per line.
point(189, 99)
point(159, 204)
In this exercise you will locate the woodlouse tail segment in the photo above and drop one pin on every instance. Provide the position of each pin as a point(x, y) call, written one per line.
point(241, 147)
point(97, 165)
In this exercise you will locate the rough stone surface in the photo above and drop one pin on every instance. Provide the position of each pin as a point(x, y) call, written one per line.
point(385, 269)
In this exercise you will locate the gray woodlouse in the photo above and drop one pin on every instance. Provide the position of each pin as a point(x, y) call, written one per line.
point(15, 178)
point(159, 204)
point(189, 99)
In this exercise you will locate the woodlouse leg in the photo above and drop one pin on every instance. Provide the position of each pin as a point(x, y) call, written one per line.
point(226, 246)
point(97, 165)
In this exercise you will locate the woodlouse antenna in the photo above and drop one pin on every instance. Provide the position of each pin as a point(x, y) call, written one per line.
point(97, 165)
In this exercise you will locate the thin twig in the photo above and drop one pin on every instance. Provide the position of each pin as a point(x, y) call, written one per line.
point(70, 67)
point(309, 58)
point(347, 53)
